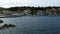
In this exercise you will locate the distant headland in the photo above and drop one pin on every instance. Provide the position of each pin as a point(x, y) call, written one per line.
point(30, 11)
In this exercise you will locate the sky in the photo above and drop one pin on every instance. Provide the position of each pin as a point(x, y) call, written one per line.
point(43, 3)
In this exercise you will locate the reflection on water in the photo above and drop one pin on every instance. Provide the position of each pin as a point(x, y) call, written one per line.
point(32, 25)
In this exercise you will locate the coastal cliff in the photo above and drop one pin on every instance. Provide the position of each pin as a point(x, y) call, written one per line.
point(30, 11)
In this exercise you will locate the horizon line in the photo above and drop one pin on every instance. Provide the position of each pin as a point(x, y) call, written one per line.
point(29, 6)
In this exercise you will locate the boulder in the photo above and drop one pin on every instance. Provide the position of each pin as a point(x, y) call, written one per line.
point(1, 21)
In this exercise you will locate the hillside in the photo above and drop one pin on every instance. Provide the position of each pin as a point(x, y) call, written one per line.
point(30, 11)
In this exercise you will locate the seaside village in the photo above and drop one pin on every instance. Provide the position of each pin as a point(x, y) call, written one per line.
point(28, 12)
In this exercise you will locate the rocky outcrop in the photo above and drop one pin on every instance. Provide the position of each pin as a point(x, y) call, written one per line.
point(6, 26)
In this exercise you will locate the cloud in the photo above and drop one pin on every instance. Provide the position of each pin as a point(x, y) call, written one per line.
point(10, 3)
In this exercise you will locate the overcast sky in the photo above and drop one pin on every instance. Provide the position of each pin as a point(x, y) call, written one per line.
point(12, 3)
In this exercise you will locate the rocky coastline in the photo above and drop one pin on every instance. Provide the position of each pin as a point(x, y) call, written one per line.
point(29, 11)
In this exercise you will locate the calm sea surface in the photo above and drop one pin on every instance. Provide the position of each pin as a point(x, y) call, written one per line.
point(32, 25)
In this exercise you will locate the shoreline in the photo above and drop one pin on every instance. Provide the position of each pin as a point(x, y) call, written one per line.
point(29, 16)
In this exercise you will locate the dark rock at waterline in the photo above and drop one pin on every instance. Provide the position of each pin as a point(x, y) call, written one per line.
point(1, 21)
point(6, 26)
point(9, 25)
